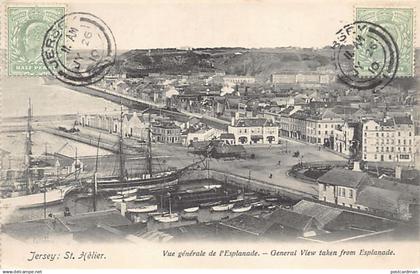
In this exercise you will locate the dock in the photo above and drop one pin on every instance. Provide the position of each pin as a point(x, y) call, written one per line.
point(250, 184)
point(136, 103)
point(90, 140)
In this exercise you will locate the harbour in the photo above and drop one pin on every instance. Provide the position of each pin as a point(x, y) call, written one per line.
point(131, 169)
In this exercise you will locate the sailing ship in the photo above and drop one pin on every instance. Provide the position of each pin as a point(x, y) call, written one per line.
point(51, 197)
point(38, 193)
point(145, 181)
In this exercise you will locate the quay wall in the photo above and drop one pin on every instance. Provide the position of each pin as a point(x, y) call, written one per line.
point(141, 105)
point(242, 181)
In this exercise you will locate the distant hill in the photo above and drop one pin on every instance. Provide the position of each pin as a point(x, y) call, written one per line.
point(256, 62)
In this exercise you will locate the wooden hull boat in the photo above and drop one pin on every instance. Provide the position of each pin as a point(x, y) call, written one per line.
point(220, 208)
point(167, 218)
point(125, 199)
point(143, 209)
point(242, 209)
point(191, 209)
point(126, 192)
point(144, 198)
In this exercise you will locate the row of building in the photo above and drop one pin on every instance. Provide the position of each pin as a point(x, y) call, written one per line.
point(310, 78)
point(355, 189)
point(134, 125)
point(391, 139)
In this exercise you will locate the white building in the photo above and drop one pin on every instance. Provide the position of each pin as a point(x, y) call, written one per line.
point(390, 140)
point(235, 79)
point(133, 125)
point(344, 139)
point(320, 128)
point(254, 131)
point(202, 135)
point(309, 78)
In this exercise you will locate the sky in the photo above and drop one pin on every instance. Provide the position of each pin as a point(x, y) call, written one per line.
point(246, 23)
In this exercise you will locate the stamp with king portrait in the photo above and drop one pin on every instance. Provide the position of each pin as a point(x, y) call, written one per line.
point(399, 23)
point(26, 29)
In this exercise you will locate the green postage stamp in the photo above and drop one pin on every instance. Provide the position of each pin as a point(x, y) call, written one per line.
point(399, 22)
point(26, 29)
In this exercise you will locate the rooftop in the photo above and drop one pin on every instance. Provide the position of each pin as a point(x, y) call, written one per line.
point(404, 120)
point(349, 219)
point(227, 136)
point(322, 213)
point(249, 224)
point(343, 177)
point(379, 198)
point(253, 122)
point(290, 219)
point(408, 192)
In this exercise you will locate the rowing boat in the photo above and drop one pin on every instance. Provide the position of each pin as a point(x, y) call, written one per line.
point(242, 209)
point(224, 207)
point(143, 209)
point(191, 209)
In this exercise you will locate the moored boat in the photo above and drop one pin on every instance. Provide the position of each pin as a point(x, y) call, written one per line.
point(212, 186)
point(151, 214)
point(167, 218)
point(128, 191)
point(257, 205)
point(143, 209)
point(236, 200)
point(115, 197)
point(191, 209)
point(204, 205)
point(189, 217)
point(144, 198)
point(271, 207)
point(245, 208)
point(219, 208)
point(271, 199)
point(51, 197)
point(124, 199)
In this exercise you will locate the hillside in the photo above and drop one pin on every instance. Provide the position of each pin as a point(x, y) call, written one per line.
point(256, 62)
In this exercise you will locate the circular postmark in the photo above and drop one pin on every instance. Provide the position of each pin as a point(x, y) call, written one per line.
point(365, 55)
point(79, 49)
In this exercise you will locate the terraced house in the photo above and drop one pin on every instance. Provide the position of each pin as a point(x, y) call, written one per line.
point(254, 131)
point(389, 140)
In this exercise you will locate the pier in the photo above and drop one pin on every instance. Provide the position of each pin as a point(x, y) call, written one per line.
point(136, 103)
point(250, 184)
point(91, 140)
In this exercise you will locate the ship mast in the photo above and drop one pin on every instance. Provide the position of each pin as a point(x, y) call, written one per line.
point(122, 164)
point(149, 147)
point(28, 149)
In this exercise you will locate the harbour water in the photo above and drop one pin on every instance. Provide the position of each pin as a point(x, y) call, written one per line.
point(80, 203)
point(57, 100)
point(47, 99)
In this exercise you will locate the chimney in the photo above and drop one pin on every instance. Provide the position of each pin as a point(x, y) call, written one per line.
point(356, 166)
point(398, 171)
